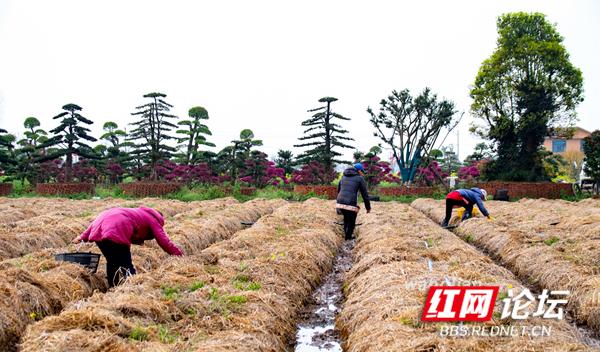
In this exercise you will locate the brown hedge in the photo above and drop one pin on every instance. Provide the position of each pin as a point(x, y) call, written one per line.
point(149, 189)
point(64, 188)
point(325, 190)
point(247, 191)
point(5, 189)
point(406, 191)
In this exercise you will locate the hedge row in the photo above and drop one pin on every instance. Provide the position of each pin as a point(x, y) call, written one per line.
point(149, 189)
point(51, 189)
point(5, 189)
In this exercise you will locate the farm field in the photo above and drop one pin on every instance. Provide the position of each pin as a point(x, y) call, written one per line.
point(550, 244)
point(250, 268)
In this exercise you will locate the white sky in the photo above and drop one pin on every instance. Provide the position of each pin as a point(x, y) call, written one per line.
point(262, 64)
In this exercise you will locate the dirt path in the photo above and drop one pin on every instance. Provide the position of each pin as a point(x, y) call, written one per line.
point(316, 330)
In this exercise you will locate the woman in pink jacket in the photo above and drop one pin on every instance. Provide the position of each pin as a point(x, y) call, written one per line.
point(114, 231)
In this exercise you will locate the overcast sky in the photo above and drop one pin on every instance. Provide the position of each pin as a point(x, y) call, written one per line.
point(262, 64)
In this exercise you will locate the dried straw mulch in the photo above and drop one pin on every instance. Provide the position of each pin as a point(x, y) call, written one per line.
point(552, 244)
point(240, 294)
point(56, 225)
point(44, 269)
point(387, 287)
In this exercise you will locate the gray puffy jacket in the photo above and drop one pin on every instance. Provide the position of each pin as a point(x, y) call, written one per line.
point(349, 186)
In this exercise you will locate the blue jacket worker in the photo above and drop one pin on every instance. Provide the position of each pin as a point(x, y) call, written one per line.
point(351, 183)
point(465, 198)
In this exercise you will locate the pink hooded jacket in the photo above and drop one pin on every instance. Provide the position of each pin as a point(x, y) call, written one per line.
point(130, 226)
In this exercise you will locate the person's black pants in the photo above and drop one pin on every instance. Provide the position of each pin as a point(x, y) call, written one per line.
point(349, 222)
point(451, 203)
point(118, 261)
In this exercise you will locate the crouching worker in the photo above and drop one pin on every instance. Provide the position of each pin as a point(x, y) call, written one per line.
point(114, 231)
point(465, 198)
point(347, 199)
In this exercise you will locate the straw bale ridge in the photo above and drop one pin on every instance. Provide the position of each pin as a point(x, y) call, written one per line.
point(37, 223)
point(399, 254)
point(552, 244)
point(239, 294)
point(36, 286)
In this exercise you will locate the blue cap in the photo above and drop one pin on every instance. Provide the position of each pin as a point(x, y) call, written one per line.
point(359, 167)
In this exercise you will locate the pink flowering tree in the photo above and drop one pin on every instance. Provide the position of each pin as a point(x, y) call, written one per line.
point(314, 173)
point(50, 170)
point(260, 172)
point(376, 170)
point(469, 173)
point(115, 172)
point(200, 174)
point(431, 174)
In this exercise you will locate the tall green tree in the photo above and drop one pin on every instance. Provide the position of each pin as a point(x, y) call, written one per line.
point(323, 135)
point(410, 127)
point(195, 133)
point(114, 136)
point(69, 138)
point(449, 162)
point(591, 149)
point(245, 143)
point(285, 160)
point(480, 151)
point(232, 158)
point(527, 85)
point(28, 151)
point(7, 160)
point(151, 131)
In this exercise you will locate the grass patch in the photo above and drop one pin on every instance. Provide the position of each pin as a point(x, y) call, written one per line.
point(469, 238)
point(196, 286)
point(223, 303)
point(139, 333)
point(170, 293)
point(165, 336)
point(243, 283)
point(552, 240)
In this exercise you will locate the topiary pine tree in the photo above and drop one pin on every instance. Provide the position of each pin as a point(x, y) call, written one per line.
point(112, 134)
point(151, 131)
point(194, 133)
point(324, 136)
point(231, 159)
point(6, 147)
point(285, 160)
point(28, 151)
point(68, 139)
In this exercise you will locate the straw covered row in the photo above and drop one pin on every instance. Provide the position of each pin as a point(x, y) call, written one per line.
point(73, 283)
point(56, 225)
point(241, 294)
point(399, 254)
point(551, 244)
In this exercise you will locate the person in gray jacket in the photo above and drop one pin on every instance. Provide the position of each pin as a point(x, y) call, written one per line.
point(351, 183)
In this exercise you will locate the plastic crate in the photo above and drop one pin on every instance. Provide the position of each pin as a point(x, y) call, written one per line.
point(87, 259)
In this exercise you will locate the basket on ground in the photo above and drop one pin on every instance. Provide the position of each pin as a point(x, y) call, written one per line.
point(87, 259)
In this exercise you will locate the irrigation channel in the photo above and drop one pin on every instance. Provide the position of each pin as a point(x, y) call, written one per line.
point(316, 330)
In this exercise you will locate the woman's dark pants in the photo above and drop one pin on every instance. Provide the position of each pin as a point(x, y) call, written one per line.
point(118, 261)
point(451, 203)
point(349, 222)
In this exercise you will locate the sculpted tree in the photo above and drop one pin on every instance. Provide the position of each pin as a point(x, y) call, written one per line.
point(69, 139)
point(323, 135)
point(151, 132)
point(410, 127)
